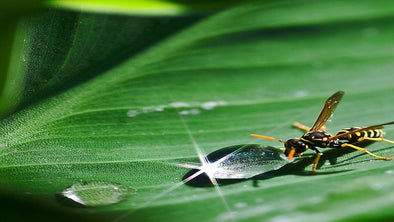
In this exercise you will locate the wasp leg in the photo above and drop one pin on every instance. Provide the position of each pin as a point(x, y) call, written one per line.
point(305, 128)
point(365, 150)
point(315, 161)
point(375, 139)
point(301, 127)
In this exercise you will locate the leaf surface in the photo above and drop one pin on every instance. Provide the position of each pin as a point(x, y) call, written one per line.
point(255, 68)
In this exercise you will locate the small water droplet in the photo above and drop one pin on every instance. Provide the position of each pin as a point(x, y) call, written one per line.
point(241, 205)
point(301, 93)
point(132, 113)
point(148, 109)
point(189, 112)
point(208, 105)
point(159, 109)
point(95, 194)
point(212, 104)
point(178, 104)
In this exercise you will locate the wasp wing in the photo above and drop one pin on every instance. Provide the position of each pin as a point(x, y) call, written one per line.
point(360, 130)
point(327, 111)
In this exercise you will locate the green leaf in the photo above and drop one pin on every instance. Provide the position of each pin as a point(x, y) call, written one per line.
point(12, 53)
point(145, 7)
point(62, 49)
point(255, 68)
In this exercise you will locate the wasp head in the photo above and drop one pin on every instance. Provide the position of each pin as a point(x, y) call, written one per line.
point(294, 146)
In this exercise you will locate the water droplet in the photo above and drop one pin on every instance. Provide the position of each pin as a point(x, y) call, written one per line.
point(132, 113)
point(246, 161)
point(151, 109)
point(159, 109)
point(178, 104)
point(240, 205)
point(212, 104)
point(208, 105)
point(241, 161)
point(189, 112)
point(301, 93)
point(95, 194)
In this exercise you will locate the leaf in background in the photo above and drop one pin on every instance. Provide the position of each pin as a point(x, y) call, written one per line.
point(145, 7)
point(255, 68)
point(12, 51)
point(66, 48)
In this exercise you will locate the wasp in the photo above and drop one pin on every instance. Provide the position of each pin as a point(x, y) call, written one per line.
point(317, 136)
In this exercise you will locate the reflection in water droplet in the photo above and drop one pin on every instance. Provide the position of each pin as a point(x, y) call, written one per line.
point(96, 193)
point(246, 161)
point(240, 162)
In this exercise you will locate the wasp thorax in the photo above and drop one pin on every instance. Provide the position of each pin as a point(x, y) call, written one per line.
point(294, 144)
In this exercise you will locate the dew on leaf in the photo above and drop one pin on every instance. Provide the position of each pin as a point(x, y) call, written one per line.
point(241, 161)
point(95, 194)
point(212, 104)
point(132, 113)
point(190, 112)
point(178, 104)
point(240, 205)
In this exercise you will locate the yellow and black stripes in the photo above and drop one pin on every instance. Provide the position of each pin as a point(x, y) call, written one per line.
point(318, 138)
point(351, 138)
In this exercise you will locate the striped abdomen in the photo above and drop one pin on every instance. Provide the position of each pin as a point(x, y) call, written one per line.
point(372, 133)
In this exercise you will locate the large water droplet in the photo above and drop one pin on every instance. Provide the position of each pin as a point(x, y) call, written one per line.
point(96, 193)
point(240, 162)
point(246, 161)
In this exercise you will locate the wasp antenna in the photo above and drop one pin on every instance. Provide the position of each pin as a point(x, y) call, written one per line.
point(267, 137)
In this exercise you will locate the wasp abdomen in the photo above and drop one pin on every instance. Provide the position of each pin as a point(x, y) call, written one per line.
point(372, 133)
